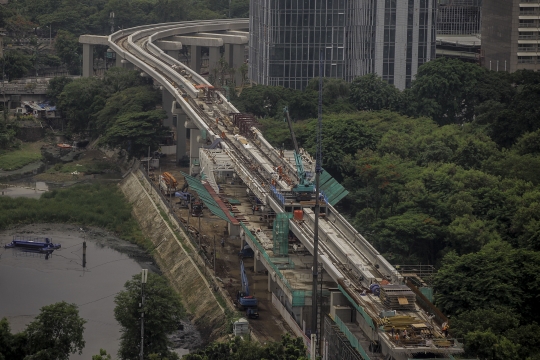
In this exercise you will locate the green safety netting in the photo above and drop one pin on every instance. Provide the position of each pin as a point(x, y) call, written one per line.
point(280, 234)
point(333, 190)
point(351, 337)
point(205, 196)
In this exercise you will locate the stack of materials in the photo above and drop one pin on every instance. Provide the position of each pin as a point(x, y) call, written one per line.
point(397, 297)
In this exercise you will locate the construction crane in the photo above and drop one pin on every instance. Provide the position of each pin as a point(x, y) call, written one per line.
point(244, 300)
point(304, 189)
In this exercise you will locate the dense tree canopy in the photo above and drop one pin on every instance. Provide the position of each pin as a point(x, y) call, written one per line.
point(162, 314)
point(449, 179)
point(237, 349)
point(56, 333)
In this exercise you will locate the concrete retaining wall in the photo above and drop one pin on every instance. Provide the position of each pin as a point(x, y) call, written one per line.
point(175, 257)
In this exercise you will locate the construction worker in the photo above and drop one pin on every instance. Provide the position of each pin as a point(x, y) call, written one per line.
point(222, 242)
point(445, 328)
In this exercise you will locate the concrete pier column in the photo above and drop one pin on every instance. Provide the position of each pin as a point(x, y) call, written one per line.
point(195, 63)
point(119, 60)
point(228, 54)
point(167, 99)
point(173, 53)
point(88, 60)
point(213, 58)
point(269, 283)
point(194, 145)
point(180, 131)
point(237, 61)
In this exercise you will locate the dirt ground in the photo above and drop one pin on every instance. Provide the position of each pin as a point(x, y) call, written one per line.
point(270, 325)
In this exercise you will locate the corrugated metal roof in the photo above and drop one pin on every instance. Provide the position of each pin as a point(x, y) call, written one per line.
point(207, 198)
point(333, 191)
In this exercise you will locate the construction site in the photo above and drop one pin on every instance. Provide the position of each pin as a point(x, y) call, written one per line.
point(260, 221)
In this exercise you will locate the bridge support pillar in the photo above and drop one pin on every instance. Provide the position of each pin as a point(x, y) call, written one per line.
point(228, 54)
point(173, 53)
point(119, 60)
point(194, 146)
point(237, 61)
point(213, 58)
point(167, 101)
point(88, 60)
point(180, 130)
point(195, 63)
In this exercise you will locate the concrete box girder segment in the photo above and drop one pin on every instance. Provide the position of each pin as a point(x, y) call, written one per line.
point(169, 45)
point(94, 40)
point(227, 39)
point(198, 41)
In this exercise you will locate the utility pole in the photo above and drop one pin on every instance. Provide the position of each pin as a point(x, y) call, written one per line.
point(84, 254)
point(144, 276)
point(215, 270)
point(318, 171)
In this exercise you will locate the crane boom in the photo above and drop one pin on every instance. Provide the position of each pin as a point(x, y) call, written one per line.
point(304, 188)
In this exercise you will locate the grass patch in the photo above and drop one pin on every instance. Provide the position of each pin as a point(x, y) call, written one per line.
point(88, 205)
point(87, 168)
point(16, 159)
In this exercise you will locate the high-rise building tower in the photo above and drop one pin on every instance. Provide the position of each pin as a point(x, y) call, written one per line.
point(389, 37)
point(510, 34)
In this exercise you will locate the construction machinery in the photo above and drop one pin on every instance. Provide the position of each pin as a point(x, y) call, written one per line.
point(244, 300)
point(167, 183)
point(197, 208)
point(304, 188)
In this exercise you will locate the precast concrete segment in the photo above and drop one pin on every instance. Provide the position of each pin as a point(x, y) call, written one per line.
point(198, 41)
point(94, 40)
point(227, 38)
point(169, 45)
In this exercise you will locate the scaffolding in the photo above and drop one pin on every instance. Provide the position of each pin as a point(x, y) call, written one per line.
point(280, 234)
point(459, 17)
point(338, 345)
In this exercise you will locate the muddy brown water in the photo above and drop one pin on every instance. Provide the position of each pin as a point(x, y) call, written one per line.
point(29, 281)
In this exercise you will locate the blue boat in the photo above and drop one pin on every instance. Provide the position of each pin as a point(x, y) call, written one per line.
point(41, 245)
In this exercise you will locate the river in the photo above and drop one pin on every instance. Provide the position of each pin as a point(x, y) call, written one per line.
point(29, 281)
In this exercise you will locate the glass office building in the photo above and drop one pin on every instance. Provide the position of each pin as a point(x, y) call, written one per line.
point(356, 37)
point(459, 17)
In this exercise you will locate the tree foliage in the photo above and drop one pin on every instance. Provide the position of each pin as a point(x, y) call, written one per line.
point(162, 314)
point(56, 333)
point(237, 349)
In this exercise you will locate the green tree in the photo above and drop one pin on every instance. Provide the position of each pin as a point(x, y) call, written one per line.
point(370, 92)
point(12, 346)
point(56, 86)
point(68, 50)
point(445, 90)
point(78, 101)
point(15, 64)
point(162, 314)
point(102, 355)
point(132, 99)
point(237, 349)
point(56, 332)
point(136, 131)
